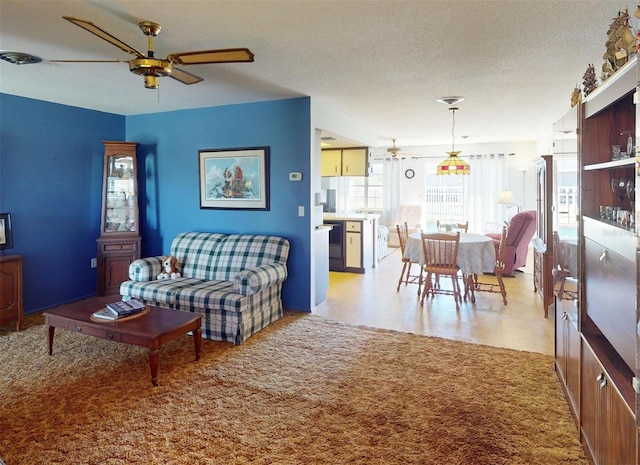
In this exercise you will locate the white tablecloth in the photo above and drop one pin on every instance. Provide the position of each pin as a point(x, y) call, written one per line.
point(476, 252)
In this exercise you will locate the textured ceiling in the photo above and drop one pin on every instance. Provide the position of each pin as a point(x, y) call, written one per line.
point(383, 62)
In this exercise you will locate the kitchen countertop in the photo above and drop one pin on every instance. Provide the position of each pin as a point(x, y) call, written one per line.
point(350, 216)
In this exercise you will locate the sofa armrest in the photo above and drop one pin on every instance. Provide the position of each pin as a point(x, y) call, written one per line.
point(145, 269)
point(253, 280)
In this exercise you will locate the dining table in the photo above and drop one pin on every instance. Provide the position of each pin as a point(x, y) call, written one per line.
point(476, 252)
point(476, 255)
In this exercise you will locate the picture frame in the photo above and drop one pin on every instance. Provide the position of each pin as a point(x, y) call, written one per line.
point(233, 179)
point(6, 233)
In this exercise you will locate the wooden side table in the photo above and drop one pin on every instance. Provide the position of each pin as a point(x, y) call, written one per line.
point(11, 306)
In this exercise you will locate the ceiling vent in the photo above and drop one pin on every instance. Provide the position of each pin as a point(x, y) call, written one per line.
point(19, 58)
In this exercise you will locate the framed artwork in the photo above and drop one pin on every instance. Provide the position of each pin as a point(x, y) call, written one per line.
point(6, 235)
point(234, 178)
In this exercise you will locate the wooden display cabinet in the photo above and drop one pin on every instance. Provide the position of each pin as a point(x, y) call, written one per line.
point(543, 243)
point(119, 241)
point(11, 306)
point(608, 271)
point(564, 223)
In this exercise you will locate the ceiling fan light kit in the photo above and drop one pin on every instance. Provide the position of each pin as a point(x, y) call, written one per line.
point(152, 68)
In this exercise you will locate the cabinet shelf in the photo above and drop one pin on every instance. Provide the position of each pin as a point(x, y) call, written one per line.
point(612, 164)
point(615, 224)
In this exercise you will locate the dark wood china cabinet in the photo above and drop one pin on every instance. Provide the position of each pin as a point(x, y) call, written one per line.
point(119, 241)
point(542, 241)
point(597, 344)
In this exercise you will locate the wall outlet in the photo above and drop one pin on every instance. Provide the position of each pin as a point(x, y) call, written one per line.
point(94, 263)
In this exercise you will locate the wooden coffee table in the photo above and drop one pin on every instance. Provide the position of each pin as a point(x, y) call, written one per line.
point(151, 330)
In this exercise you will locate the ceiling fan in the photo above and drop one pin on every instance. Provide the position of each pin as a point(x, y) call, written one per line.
point(152, 68)
point(396, 153)
point(393, 153)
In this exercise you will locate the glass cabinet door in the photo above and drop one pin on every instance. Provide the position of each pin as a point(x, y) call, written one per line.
point(120, 196)
point(565, 176)
point(120, 189)
point(119, 241)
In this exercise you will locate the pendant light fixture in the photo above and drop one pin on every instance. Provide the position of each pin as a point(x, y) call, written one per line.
point(453, 164)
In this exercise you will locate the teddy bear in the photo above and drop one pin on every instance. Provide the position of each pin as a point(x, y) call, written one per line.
point(170, 268)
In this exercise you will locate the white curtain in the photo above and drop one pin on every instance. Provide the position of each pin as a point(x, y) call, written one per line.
point(487, 179)
point(391, 192)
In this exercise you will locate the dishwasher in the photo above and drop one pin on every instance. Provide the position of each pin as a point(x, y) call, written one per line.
point(336, 245)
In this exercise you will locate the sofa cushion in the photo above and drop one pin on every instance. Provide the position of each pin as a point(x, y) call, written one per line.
point(220, 256)
point(196, 252)
point(209, 295)
point(161, 292)
point(242, 251)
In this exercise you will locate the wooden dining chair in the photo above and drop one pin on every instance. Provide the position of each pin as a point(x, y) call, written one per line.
point(449, 226)
point(440, 259)
point(463, 227)
point(452, 226)
point(560, 270)
point(406, 277)
point(474, 284)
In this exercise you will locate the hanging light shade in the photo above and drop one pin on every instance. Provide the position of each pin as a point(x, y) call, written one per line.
point(453, 164)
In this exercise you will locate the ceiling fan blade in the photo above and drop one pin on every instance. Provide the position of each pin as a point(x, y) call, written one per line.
point(92, 28)
point(229, 55)
point(184, 77)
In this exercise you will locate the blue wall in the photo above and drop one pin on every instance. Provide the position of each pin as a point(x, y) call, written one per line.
point(51, 160)
point(168, 157)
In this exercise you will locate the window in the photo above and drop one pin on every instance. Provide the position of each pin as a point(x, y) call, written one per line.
point(445, 203)
point(365, 193)
point(444, 198)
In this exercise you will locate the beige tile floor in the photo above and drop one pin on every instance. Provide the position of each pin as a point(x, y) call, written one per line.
point(371, 299)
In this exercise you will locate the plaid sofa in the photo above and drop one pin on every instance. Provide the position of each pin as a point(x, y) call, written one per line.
point(235, 281)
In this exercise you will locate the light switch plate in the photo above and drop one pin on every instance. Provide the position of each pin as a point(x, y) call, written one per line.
point(301, 210)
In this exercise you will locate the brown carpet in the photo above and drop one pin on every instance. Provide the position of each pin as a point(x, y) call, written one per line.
point(303, 391)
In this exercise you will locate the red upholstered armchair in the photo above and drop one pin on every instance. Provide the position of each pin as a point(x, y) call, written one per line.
point(521, 230)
